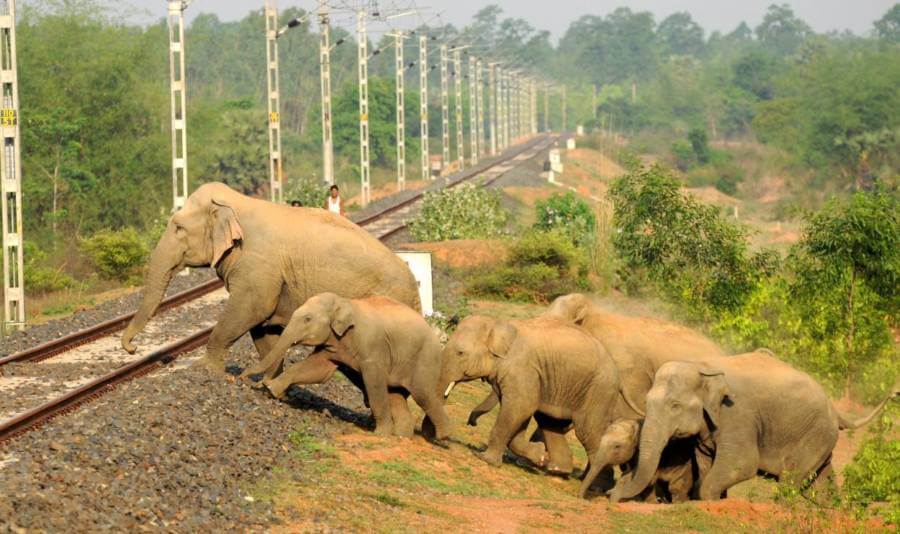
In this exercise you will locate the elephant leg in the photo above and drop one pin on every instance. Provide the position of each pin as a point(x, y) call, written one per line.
point(433, 405)
point(731, 466)
point(313, 370)
point(403, 419)
point(515, 410)
point(244, 310)
point(533, 451)
point(486, 406)
point(559, 455)
point(271, 362)
point(374, 378)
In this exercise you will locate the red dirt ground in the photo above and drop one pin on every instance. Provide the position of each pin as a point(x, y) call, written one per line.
point(462, 253)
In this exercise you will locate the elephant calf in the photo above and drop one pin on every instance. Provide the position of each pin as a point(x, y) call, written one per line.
point(537, 366)
point(384, 347)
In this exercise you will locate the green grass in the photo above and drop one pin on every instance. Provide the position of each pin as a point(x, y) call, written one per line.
point(394, 473)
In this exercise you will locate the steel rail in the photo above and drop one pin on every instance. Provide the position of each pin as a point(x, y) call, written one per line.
point(70, 401)
point(81, 337)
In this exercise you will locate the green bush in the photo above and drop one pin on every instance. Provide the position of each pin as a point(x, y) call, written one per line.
point(311, 194)
point(463, 212)
point(541, 266)
point(116, 254)
point(40, 278)
point(699, 145)
point(684, 155)
point(874, 474)
point(569, 213)
point(692, 254)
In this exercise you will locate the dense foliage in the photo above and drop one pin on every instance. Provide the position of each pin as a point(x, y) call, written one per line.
point(463, 212)
point(540, 267)
point(116, 254)
point(684, 247)
point(568, 213)
point(874, 475)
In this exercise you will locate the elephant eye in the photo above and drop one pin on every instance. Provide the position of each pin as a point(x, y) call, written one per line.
point(307, 318)
point(459, 353)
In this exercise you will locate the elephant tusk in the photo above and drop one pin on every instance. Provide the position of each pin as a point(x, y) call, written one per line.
point(449, 389)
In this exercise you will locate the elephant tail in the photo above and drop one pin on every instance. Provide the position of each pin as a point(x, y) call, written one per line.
point(631, 404)
point(764, 350)
point(845, 424)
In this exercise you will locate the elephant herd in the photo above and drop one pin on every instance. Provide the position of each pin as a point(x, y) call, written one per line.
point(681, 419)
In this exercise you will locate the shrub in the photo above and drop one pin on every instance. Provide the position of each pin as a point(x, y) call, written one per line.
point(874, 474)
point(40, 278)
point(311, 194)
point(116, 254)
point(463, 212)
point(692, 253)
point(569, 213)
point(699, 145)
point(683, 154)
point(541, 266)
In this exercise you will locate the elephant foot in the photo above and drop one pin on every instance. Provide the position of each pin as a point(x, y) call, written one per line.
point(384, 429)
point(443, 443)
point(490, 458)
point(274, 389)
point(212, 364)
point(558, 471)
point(428, 429)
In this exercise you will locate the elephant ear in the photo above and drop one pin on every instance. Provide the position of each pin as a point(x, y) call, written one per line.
point(715, 393)
point(501, 338)
point(581, 313)
point(225, 230)
point(341, 316)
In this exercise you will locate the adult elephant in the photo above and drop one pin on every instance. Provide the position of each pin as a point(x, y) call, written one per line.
point(638, 346)
point(272, 258)
point(751, 413)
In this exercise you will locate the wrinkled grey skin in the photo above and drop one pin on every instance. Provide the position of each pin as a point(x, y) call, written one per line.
point(638, 346)
point(753, 412)
point(541, 365)
point(272, 258)
point(388, 345)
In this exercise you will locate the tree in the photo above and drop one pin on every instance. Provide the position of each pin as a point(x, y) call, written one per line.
point(888, 26)
point(847, 267)
point(781, 31)
point(679, 34)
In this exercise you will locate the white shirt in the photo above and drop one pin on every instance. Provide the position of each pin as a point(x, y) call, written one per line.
point(334, 204)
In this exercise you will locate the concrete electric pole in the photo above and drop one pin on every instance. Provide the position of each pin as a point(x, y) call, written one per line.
point(423, 104)
point(11, 175)
point(474, 127)
point(179, 107)
point(399, 72)
point(445, 108)
point(325, 82)
point(479, 105)
point(363, 71)
point(276, 177)
point(457, 84)
point(492, 97)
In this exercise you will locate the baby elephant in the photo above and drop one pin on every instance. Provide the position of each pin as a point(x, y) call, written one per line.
point(617, 447)
point(379, 344)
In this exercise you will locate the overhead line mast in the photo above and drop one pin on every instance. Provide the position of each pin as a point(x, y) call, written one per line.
point(11, 176)
point(276, 176)
point(474, 127)
point(325, 82)
point(423, 104)
point(363, 63)
point(399, 74)
point(179, 106)
point(445, 109)
point(457, 82)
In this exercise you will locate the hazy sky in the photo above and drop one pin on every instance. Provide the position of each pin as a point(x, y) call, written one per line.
point(556, 15)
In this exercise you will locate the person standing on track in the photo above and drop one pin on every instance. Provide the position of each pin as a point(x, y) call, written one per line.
point(333, 203)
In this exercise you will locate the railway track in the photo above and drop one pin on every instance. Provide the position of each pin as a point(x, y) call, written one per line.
point(382, 224)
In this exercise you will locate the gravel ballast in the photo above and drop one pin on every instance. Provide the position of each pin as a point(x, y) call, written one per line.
point(180, 450)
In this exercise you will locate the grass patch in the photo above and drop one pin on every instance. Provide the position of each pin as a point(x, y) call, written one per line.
point(395, 473)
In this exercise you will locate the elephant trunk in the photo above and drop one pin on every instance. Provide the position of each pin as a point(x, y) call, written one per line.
point(166, 260)
point(598, 464)
point(653, 441)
